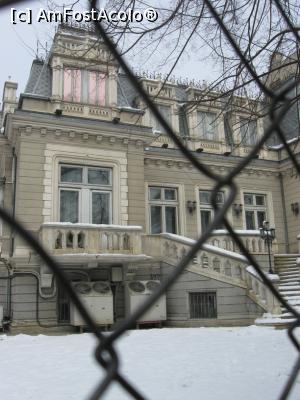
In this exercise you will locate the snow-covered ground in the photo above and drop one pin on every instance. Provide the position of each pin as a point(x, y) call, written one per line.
point(250, 363)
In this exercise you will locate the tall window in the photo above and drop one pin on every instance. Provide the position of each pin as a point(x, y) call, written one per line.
point(85, 194)
point(96, 88)
point(72, 84)
point(163, 204)
point(248, 131)
point(255, 210)
point(84, 86)
point(166, 113)
point(206, 208)
point(207, 126)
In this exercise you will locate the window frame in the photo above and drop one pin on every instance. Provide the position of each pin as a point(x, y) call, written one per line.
point(207, 293)
point(155, 123)
point(246, 138)
point(163, 203)
point(255, 208)
point(207, 207)
point(84, 96)
point(202, 132)
point(85, 191)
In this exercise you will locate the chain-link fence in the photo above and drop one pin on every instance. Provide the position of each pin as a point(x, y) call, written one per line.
point(105, 352)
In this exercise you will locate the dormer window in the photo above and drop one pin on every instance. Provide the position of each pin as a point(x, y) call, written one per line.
point(166, 113)
point(248, 131)
point(207, 126)
point(83, 86)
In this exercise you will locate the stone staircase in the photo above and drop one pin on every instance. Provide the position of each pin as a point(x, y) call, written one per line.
point(289, 284)
point(289, 287)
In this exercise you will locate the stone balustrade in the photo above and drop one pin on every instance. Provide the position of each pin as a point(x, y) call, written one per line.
point(67, 238)
point(213, 262)
point(86, 110)
point(251, 240)
point(260, 293)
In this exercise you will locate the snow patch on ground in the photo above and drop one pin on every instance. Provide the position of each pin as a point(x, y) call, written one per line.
point(248, 363)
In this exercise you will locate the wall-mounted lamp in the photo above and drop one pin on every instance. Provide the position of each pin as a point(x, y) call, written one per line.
point(116, 120)
point(237, 209)
point(295, 208)
point(191, 206)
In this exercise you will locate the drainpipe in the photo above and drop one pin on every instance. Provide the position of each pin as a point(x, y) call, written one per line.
point(286, 234)
point(12, 238)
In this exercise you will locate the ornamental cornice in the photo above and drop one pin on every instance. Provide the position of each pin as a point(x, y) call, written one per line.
point(219, 169)
point(71, 135)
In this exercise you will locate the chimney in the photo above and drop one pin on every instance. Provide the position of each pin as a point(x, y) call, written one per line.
point(9, 99)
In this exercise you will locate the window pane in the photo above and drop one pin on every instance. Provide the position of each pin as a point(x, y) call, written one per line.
point(248, 199)
point(220, 197)
point(155, 193)
point(261, 217)
point(170, 219)
point(156, 219)
point(71, 174)
point(260, 200)
point(250, 222)
point(100, 208)
point(69, 206)
point(204, 197)
point(99, 176)
point(205, 219)
point(170, 194)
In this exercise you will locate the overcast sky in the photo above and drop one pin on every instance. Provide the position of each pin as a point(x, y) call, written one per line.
point(18, 47)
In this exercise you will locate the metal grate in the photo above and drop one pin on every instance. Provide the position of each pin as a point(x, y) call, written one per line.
point(63, 305)
point(106, 353)
point(203, 305)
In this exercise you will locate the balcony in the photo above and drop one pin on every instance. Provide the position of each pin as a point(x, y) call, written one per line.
point(86, 242)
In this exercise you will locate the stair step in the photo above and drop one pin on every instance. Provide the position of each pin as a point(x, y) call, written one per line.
point(289, 283)
point(291, 298)
point(288, 274)
point(290, 293)
point(288, 286)
point(296, 307)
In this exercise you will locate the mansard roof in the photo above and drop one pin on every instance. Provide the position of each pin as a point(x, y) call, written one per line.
point(39, 81)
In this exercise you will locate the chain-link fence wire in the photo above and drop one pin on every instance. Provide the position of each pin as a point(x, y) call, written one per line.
point(105, 352)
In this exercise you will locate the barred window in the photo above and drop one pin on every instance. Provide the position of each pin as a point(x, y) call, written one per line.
point(203, 305)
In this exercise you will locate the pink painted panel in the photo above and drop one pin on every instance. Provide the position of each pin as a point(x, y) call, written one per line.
point(92, 87)
point(77, 85)
point(101, 91)
point(96, 88)
point(67, 84)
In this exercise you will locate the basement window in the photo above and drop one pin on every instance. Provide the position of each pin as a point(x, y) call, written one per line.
point(203, 305)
